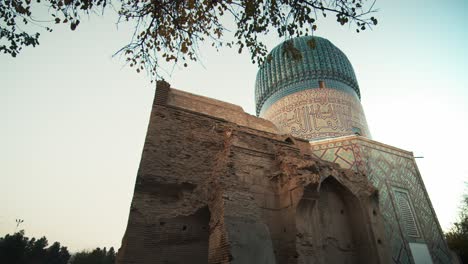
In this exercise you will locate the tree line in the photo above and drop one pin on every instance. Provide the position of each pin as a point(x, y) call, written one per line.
point(19, 249)
point(457, 237)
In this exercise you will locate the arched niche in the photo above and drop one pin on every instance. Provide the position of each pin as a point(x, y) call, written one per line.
point(332, 226)
point(343, 224)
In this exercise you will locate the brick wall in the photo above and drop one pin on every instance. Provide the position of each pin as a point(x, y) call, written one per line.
point(214, 190)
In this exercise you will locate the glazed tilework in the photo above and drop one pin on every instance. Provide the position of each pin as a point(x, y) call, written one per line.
point(388, 169)
point(319, 61)
point(318, 113)
point(302, 85)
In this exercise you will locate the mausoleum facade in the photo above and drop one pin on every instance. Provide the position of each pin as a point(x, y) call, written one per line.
point(301, 182)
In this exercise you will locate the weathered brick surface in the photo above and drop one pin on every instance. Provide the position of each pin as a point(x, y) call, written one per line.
point(213, 189)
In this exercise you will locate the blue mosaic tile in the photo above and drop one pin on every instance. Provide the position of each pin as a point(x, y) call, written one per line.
point(282, 75)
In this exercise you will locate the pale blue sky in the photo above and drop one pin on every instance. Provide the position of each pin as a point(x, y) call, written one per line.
point(74, 120)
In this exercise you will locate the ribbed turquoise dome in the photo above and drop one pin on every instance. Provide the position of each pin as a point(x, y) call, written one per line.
point(284, 72)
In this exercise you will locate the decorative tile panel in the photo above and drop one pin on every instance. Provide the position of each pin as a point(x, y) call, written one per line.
point(318, 113)
point(389, 168)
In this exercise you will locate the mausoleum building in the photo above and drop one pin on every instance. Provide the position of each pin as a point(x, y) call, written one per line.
point(301, 182)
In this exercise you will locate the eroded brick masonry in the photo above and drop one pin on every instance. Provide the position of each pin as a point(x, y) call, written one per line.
point(217, 185)
point(301, 183)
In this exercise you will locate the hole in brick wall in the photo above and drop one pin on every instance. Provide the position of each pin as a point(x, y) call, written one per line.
point(374, 212)
point(182, 239)
point(167, 192)
point(379, 241)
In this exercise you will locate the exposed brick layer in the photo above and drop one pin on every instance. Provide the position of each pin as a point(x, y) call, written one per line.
point(209, 190)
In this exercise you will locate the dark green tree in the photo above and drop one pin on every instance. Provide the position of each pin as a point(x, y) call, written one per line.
point(97, 256)
point(111, 256)
point(457, 237)
point(170, 30)
point(19, 249)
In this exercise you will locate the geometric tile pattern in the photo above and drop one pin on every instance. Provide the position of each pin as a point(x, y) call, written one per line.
point(389, 168)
